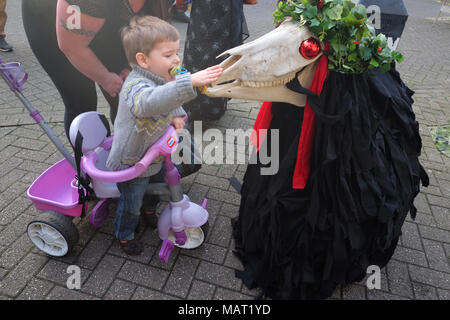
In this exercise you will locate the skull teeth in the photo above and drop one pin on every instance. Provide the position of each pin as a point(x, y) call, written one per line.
point(262, 84)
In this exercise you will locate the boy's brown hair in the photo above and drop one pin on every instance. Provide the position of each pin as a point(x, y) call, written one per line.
point(143, 33)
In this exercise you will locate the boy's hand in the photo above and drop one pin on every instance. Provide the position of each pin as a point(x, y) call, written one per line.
point(178, 123)
point(206, 76)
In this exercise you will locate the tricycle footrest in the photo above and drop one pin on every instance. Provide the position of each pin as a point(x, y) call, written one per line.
point(165, 251)
point(180, 237)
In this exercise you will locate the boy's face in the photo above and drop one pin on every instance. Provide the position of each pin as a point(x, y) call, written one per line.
point(162, 58)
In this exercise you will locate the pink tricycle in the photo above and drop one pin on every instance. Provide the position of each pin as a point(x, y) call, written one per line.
point(59, 193)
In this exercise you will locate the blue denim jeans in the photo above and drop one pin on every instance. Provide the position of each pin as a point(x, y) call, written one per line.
point(128, 209)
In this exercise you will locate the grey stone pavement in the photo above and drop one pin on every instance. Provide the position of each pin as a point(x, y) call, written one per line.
point(420, 267)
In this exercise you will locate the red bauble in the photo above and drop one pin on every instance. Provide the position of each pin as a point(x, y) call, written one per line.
point(320, 4)
point(310, 48)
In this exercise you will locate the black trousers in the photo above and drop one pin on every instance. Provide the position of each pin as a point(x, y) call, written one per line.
point(77, 91)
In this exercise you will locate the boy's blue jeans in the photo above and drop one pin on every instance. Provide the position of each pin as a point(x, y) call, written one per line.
point(128, 209)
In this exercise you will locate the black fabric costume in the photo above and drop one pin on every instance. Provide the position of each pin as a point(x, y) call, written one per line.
point(77, 91)
point(215, 27)
point(365, 173)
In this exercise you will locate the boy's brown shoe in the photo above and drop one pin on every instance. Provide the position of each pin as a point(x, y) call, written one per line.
point(150, 217)
point(131, 247)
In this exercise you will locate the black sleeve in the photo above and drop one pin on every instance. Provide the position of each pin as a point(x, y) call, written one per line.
point(93, 8)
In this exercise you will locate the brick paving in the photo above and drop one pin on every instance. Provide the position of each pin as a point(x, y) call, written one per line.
point(420, 267)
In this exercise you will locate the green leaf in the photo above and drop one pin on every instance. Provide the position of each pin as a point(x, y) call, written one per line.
point(359, 11)
point(338, 47)
point(314, 23)
point(348, 4)
point(397, 56)
point(325, 25)
point(351, 20)
point(352, 57)
point(371, 29)
point(335, 12)
point(347, 67)
point(374, 63)
point(311, 11)
point(375, 44)
point(364, 52)
point(382, 38)
point(278, 16)
point(385, 67)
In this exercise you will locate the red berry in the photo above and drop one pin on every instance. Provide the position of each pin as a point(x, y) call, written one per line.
point(379, 49)
point(320, 4)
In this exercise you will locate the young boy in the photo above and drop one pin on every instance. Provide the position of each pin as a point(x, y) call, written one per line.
point(150, 101)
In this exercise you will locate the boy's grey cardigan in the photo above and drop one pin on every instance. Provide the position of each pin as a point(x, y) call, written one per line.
point(147, 104)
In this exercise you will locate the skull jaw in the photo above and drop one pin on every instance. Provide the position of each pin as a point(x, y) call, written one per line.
point(274, 94)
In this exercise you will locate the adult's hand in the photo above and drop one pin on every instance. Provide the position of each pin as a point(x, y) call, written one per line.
point(124, 73)
point(74, 43)
point(112, 83)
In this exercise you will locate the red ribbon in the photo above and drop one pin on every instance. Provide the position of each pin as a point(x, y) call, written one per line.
point(302, 165)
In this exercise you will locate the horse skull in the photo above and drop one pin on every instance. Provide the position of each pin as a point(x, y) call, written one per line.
point(260, 69)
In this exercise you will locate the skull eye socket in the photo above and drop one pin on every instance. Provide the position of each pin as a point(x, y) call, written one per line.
point(309, 48)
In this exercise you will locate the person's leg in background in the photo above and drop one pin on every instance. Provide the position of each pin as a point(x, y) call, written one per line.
point(4, 46)
point(180, 11)
point(208, 35)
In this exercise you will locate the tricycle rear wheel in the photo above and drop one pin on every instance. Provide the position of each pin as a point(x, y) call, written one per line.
point(53, 233)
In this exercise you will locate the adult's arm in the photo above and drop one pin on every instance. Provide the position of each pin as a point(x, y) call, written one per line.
point(74, 43)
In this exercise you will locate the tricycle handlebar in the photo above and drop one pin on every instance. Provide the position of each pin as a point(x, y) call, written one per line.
point(14, 74)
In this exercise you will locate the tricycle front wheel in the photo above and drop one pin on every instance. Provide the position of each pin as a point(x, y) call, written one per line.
point(53, 233)
point(195, 237)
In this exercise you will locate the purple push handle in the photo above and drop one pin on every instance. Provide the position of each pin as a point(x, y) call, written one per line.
point(15, 75)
